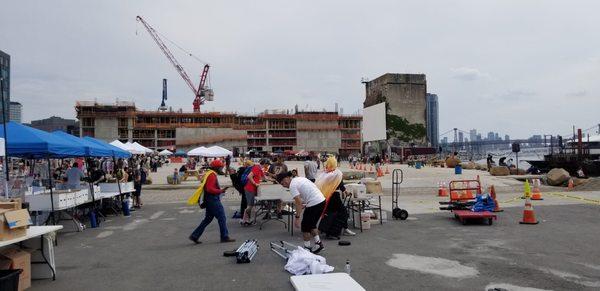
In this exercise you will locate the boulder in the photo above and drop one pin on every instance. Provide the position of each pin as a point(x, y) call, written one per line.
point(482, 167)
point(452, 162)
point(578, 181)
point(499, 171)
point(513, 171)
point(468, 165)
point(557, 177)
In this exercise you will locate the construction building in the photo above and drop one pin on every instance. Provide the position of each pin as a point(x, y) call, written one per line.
point(270, 131)
point(53, 123)
point(405, 96)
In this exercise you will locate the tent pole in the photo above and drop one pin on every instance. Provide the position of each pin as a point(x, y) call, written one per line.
point(118, 182)
point(51, 191)
point(5, 121)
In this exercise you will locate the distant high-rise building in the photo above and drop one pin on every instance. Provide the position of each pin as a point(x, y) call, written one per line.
point(445, 140)
point(479, 137)
point(4, 84)
point(16, 112)
point(473, 134)
point(496, 136)
point(490, 136)
point(506, 137)
point(433, 133)
point(461, 137)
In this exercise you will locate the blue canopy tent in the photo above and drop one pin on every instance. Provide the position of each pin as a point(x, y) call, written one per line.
point(27, 142)
point(115, 151)
point(91, 149)
point(180, 153)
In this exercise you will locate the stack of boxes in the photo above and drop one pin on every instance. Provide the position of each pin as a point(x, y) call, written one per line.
point(14, 223)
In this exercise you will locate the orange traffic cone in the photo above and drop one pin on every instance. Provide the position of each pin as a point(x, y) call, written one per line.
point(379, 172)
point(442, 191)
point(528, 213)
point(537, 194)
point(570, 186)
point(493, 195)
point(387, 170)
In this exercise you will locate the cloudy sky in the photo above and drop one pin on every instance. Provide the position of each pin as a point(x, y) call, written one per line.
point(517, 67)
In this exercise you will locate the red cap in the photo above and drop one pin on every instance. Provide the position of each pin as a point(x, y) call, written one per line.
point(217, 164)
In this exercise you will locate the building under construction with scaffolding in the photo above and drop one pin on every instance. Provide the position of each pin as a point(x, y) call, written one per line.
point(270, 131)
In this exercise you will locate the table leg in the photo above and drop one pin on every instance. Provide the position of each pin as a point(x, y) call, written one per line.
point(380, 211)
point(360, 211)
point(49, 258)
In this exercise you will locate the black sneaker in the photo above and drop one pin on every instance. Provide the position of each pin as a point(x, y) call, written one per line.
point(319, 247)
point(228, 239)
point(195, 240)
point(279, 215)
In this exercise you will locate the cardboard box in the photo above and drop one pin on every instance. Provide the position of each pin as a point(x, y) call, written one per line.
point(20, 259)
point(374, 187)
point(14, 223)
point(13, 204)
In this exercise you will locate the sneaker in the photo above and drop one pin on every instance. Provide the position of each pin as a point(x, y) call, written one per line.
point(195, 240)
point(348, 232)
point(227, 239)
point(318, 247)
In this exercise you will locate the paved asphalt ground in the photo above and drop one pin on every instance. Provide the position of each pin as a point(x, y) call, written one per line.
point(150, 251)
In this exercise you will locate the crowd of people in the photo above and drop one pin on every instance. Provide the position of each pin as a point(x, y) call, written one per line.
point(317, 196)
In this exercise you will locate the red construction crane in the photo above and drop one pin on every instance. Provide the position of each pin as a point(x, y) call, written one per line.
point(202, 94)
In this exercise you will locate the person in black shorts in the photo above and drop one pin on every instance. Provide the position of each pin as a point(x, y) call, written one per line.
point(305, 192)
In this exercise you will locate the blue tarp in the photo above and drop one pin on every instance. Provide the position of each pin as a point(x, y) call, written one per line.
point(180, 153)
point(27, 142)
point(91, 149)
point(115, 151)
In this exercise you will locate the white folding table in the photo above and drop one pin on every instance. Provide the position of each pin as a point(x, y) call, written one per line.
point(47, 234)
point(323, 282)
point(267, 195)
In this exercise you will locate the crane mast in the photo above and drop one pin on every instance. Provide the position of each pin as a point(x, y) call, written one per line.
point(201, 94)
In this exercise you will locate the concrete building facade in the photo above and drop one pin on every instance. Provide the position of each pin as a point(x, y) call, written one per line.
point(405, 95)
point(16, 112)
point(433, 129)
point(270, 131)
point(4, 84)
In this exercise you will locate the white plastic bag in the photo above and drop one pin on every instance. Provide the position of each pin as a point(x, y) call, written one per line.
point(301, 262)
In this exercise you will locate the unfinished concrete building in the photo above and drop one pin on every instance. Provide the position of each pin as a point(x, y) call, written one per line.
point(405, 95)
point(271, 131)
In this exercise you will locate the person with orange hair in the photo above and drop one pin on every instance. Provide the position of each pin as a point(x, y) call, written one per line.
point(335, 217)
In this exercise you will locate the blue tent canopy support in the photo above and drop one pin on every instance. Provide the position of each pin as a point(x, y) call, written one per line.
point(117, 152)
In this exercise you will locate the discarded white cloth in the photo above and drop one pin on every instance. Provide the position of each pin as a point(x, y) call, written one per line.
point(301, 262)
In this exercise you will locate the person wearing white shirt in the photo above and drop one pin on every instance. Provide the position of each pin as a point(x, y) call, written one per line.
point(305, 192)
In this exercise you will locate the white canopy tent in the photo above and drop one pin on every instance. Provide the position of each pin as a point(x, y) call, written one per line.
point(165, 153)
point(142, 148)
point(211, 152)
point(199, 151)
point(119, 144)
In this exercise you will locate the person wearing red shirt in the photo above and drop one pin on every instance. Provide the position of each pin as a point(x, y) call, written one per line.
point(255, 176)
point(212, 201)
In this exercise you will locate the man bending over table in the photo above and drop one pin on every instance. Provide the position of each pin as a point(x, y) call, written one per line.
point(305, 192)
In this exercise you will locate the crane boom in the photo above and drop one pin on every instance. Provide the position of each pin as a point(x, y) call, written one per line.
point(200, 92)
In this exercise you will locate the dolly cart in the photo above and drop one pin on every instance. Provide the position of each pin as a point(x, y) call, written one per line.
point(397, 179)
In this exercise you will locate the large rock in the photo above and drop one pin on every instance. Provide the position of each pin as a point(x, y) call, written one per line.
point(452, 162)
point(468, 165)
point(499, 171)
point(513, 171)
point(557, 177)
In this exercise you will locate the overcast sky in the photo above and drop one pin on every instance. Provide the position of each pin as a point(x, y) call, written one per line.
point(517, 67)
